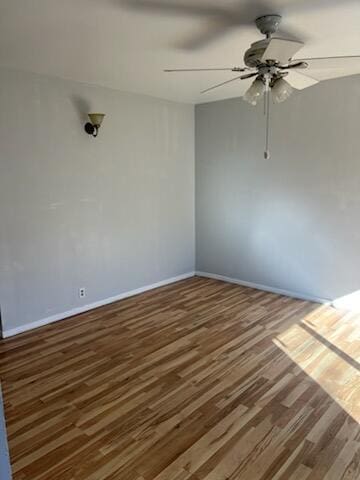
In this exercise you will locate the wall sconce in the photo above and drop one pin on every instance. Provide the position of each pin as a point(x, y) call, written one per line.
point(92, 127)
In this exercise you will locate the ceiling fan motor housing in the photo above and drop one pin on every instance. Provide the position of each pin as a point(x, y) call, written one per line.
point(268, 25)
point(254, 55)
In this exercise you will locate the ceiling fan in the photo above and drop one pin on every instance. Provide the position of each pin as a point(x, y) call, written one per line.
point(271, 61)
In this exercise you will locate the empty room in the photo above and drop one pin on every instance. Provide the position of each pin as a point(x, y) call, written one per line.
point(179, 240)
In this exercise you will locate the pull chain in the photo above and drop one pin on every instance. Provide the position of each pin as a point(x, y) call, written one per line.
point(267, 113)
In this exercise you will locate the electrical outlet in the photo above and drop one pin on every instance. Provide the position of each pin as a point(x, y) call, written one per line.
point(82, 292)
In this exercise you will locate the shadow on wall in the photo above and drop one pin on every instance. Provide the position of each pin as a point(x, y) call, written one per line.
point(82, 107)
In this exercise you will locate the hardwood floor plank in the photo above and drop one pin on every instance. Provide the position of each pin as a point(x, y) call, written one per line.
point(199, 380)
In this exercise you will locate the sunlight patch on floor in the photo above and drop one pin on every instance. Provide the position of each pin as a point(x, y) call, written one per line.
point(330, 355)
point(349, 302)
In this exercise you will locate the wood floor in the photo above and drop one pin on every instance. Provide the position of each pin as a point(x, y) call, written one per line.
point(193, 381)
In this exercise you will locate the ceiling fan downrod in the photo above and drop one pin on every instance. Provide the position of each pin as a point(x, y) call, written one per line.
point(267, 115)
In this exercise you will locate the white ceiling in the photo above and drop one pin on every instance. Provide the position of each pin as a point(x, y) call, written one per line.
point(107, 43)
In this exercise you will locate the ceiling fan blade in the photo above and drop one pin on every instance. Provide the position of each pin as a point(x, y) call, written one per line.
point(299, 81)
point(281, 50)
point(224, 18)
point(221, 84)
point(244, 14)
point(214, 30)
point(248, 75)
point(300, 6)
point(352, 61)
point(332, 67)
point(180, 8)
point(291, 34)
point(219, 19)
point(229, 69)
point(298, 65)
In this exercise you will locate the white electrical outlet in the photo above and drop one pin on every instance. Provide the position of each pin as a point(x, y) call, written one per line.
point(82, 292)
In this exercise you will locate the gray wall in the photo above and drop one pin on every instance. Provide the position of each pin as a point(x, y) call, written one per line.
point(110, 214)
point(292, 222)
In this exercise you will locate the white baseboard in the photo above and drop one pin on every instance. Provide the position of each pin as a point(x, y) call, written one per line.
point(279, 291)
point(85, 308)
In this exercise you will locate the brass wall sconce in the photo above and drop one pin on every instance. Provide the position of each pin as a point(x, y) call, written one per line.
point(92, 127)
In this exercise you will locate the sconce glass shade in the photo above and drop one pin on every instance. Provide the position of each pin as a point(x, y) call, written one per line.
point(96, 118)
point(255, 92)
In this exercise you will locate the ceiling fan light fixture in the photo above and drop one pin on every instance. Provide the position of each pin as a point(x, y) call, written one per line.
point(281, 90)
point(255, 92)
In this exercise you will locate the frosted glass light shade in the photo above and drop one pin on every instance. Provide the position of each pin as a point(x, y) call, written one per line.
point(255, 92)
point(281, 90)
point(96, 118)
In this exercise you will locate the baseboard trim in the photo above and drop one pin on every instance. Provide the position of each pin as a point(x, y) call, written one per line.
point(85, 308)
point(257, 286)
